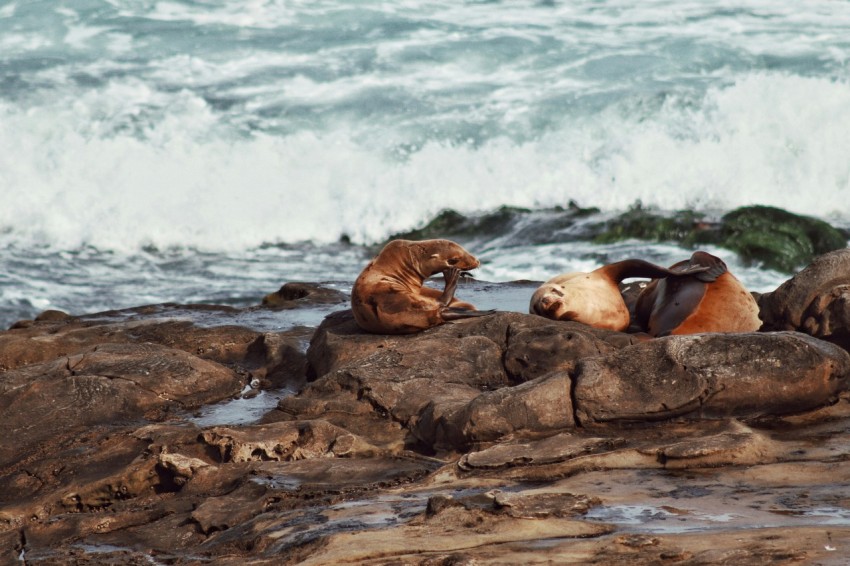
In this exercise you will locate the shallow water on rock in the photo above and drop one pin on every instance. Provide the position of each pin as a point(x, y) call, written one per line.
point(706, 503)
point(650, 519)
point(243, 410)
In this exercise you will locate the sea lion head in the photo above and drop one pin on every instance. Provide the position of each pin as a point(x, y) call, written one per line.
point(552, 300)
point(439, 256)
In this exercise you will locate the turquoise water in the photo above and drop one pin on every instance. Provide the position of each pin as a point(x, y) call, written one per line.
point(210, 150)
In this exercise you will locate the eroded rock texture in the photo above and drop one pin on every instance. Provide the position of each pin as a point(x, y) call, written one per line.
point(503, 439)
point(815, 301)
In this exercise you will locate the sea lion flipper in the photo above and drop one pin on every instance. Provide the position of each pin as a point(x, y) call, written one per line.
point(455, 313)
point(676, 299)
point(451, 276)
point(704, 267)
point(629, 268)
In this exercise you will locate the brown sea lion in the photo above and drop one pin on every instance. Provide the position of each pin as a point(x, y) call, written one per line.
point(388, 296)
point(594, 298)
point(712, 300)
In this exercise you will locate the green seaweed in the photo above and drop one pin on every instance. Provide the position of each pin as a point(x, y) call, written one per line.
point(776, 238)
point(452, 224)
point(684, 226)
point(772, 237)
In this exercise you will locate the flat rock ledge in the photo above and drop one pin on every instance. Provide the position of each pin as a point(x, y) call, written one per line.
point(502, 439)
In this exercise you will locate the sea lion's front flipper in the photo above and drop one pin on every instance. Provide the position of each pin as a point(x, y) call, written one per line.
point(454, 313)
point(674, 300)
point(711, 267)
point(451, 276)
point(629, 268)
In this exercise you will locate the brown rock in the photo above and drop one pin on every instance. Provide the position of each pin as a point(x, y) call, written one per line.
point(338, 341)
point(109, 383)
point(279, 358)
point(711, 375)
point(54, 338)
point(283, 441)
point(298, 295)
point(815, 301)
point(535, 407)
point(534, 349)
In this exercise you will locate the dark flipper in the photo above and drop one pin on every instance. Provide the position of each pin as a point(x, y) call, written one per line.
point(673, 301)
point(454, 313)
point(639, 268)
point(451, 276)
point(714, 266)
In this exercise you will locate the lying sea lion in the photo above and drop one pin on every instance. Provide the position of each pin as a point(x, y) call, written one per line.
point(712, 300)
point(594, 298)
point(388, 296)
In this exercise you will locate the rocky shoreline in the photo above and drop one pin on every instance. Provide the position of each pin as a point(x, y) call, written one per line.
point(502, 439)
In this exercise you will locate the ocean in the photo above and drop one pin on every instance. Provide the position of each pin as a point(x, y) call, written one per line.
point(208, 151)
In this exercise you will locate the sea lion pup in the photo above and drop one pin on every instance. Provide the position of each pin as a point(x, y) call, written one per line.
point(594, 298)
point(388, 296)
point(708, 301)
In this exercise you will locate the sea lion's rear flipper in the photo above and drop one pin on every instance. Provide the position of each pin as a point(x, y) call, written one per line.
point(702, 265)
point(629, 268)
point(455, 313)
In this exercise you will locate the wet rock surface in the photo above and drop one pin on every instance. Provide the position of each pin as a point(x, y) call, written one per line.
point(503, 439)
point(815, 301)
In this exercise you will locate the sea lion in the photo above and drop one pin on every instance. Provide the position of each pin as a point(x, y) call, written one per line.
point(388, 296)
point(712, 300)
point(594, 298)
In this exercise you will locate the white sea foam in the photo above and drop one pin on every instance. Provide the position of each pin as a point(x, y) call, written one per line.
point(129, 166)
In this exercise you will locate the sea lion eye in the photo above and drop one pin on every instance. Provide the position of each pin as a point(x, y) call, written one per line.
point(453, 261)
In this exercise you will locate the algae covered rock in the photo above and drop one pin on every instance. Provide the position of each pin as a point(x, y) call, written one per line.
point(452, 224)
point(506, 221)
point(684, 226)
point(777, 238)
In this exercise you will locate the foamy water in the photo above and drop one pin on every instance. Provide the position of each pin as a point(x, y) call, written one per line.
point(216, 127)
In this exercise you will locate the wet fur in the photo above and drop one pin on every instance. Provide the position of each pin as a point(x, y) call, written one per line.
point(712, 301)
point(389, 298)
point(594, 298)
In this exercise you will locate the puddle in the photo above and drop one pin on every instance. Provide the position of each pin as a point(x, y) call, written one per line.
point(95, 549)
point(240, 411)
point(282, 483)
point(657, 520)
point(650, 519)
point(834, 516)
point(384, 510)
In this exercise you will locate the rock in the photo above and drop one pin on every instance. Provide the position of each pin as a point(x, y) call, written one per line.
point(710, 375)
point(815, 301)
point(432, 383)
point(299, 295)
point(108, 383)
point(284, 441)
point(453, 225)
point(534, 350)
point(773, 237)
point(536, 407)
point(776, 238)
point(279, 359)
point(684, 226)
point(504, 439)
point(53, 339)
point(78, 471)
